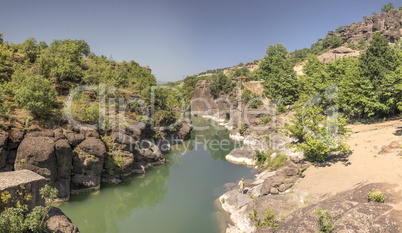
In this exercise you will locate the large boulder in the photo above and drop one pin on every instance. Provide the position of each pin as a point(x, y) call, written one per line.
point(88, 165)
point(59, 222)
point(40, 133)
point(185, 131)
point(74, 138)
point(118, 165)
point(150, 152)
point(38, 155)
point(93, 146)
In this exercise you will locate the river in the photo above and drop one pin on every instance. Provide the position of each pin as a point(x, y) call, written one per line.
point(178, 197)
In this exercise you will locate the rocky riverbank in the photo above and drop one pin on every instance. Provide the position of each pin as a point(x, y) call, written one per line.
point(340, 187)
point(76, 160)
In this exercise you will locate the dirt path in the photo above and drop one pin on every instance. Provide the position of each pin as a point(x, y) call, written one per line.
point(376, 157)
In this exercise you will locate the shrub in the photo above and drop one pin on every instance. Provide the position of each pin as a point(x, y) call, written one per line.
point(266, 161)
point(242, 128)
point(325, 222)
point(34, 93)
point(84, 109)
point(376, 196)
point(388, 7)
point(266, 120)
point(269, 219)
point(19, 219)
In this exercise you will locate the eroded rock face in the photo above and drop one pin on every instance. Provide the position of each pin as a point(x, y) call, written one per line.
point(59, 222)
point(64, 156)
point(387, 23)
point(37, 154)
point(336, 54)
point(203, 103)
point(283, 179)
point(88, 165)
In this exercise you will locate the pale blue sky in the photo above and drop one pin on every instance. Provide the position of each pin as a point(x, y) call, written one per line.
point(177, 38)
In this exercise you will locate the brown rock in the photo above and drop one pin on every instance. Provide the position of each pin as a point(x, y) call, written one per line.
point(74, 138)
point(15, 138)
point(40, 133)
point(37, 154)
point(59, 222)
point(274, 191)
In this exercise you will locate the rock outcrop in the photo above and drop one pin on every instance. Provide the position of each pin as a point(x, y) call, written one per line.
point(59, 222)
point(242, 155)
point(351, 212)
point(38, 155)
point(268, 186)
point(87, 165)
point(77, 160)
point(389, 24)
point(338, 53)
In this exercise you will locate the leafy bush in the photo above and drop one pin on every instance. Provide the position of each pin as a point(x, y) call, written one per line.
point(266, 160)
point(316, 134)
point(325, 222)
point(269, 219)
point(242, 128)
point(84, 109)
point(266, 120)
point(376, 196)
point(20, 220)
point(33, 92)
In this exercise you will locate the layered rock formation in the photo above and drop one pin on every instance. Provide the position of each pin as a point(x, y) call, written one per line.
point(389, 24)
point(78, 160)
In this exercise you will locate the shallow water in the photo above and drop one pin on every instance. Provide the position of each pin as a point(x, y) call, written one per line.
point(178, 197)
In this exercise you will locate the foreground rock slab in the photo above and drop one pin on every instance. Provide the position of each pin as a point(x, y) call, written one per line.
point(21, 186)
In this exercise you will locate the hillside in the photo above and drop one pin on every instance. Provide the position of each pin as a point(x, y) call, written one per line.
point(353, 39)
point(326, 111)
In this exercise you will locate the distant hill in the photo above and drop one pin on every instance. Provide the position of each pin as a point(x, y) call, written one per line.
point(345, 41)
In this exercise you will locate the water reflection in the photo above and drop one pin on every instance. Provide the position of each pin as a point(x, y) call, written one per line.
point(173, 198)
point(116, 202)
point(214, 138)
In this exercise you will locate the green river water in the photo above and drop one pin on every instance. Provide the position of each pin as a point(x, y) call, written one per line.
point(178, 197)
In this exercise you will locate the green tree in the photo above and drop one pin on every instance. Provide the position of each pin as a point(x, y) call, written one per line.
point(33, 92)
point(1, 38)
point(241, 72)
point(31, 48)
point(62, 60)
point(331, 42)
point(388, 7)
point(277, 71)
point(379, 64)
point(220, 84)
point(318, 134)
